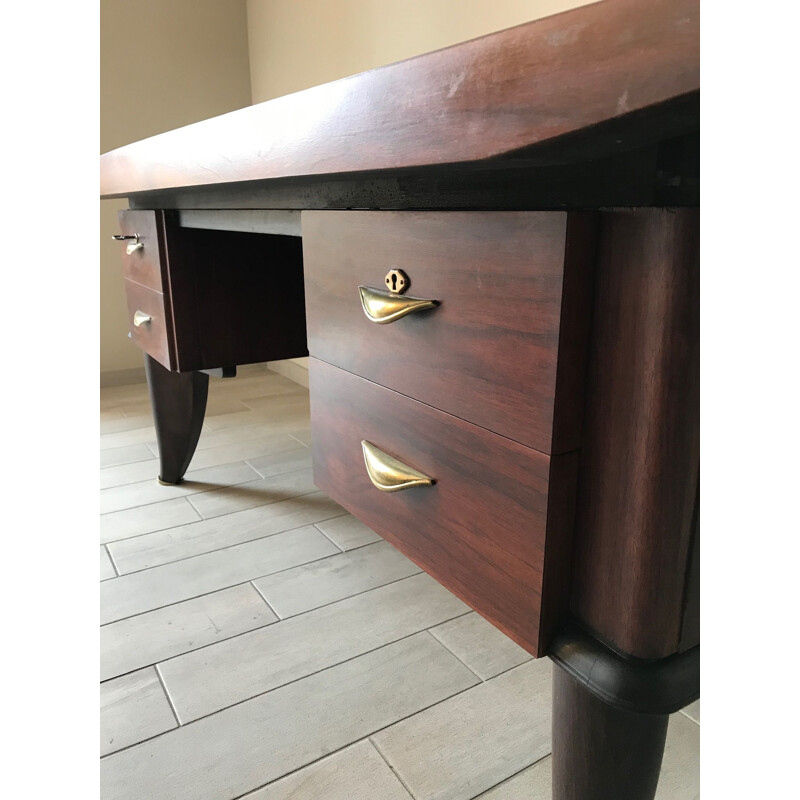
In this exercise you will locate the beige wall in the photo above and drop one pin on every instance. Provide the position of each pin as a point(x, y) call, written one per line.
point(163, 64)
point(295, 44)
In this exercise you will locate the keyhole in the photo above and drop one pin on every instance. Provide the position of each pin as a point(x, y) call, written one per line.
point(396, 281)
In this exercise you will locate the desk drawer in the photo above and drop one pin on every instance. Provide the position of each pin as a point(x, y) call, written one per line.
point(505, 346)
point(143, 264)
point(153, 336)
point(217, 298)
point(496, 515)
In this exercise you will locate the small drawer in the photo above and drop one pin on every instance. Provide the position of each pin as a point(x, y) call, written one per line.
point(153, 336)
point(497, 515)
point(503, 343)
point(143, 264)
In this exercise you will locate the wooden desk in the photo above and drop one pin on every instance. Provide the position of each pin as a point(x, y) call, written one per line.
point(491, 253)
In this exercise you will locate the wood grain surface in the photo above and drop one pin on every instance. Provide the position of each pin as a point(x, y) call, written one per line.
point(145, 264)
point(505, 347)
point(237, 298)
point(156, 338)
point(481, 530)
point(228, 297)
point(640, 458)
point(501, 93)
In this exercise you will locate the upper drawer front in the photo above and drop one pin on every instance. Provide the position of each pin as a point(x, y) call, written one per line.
point(489, 351)
point(480, 529)
point(153, 336)
point(143, 264)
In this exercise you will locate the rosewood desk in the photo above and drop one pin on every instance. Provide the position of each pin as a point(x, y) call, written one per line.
point(491, 254)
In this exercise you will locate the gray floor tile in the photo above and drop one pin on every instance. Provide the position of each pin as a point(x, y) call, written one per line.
point(113, 441)
point(182, 580)
point(128, 473)
point(486, 650)
point(125, 423)
point(132, 708)
point(251, 744)
point(348, 532)
point(252, 447)
point(124, 455)
point(693, 711)
point(680, 769)
point(203, 536)
point(303, 435)
point(157, 635)
point(106, 567)
point(355, 773)
point(284, 411)
point(312, 585)
point(295, 459)
point(279, 404)
point(260, 492)
point(533, 783)
point(144, 519)
point(231, 671)
point(278, 463)
point(145, 492)
point(482, 736)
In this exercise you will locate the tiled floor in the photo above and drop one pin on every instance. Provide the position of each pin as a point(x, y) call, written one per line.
point(258, 642)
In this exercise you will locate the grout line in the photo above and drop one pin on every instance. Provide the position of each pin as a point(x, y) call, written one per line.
point(340, 549)
point(368, 738)
point(273, 622)
point(225, 547)
point(298, 441)
point(430, 631)
point(296, 680)
point(511, 777)
point(164, 659)
point(393, 770)
point(186, 477)
point(111, 559)
point(278, 617)
point(267, 575)
point(212, 487)
point(166, 693)
point(683, 711)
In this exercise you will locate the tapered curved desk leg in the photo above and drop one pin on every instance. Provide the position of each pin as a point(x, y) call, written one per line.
point(601, 752)
point(179, 406)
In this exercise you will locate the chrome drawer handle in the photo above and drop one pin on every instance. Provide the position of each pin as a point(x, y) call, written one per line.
point(140, 318)
point(134, 246)
point(384, 307)
point(388, 474)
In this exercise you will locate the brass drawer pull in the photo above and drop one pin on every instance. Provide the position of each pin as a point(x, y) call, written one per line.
point(133, 246)
point(388, 474)
point(140, 318)
point(383, 307)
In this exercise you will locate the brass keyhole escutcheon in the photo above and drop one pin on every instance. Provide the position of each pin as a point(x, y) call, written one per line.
point(396, 280)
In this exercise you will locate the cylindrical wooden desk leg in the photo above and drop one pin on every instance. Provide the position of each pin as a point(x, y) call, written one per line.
point(600, 752)
point(179, 407)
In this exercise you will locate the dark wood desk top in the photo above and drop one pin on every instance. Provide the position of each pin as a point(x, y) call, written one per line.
point(594, 82)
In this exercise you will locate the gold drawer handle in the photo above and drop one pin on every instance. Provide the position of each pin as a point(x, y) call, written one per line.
point(140, 318)
point(388, 474)
point(383, 307)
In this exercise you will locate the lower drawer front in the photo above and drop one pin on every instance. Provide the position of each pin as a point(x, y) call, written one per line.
point(481, 529)
point(152, 336)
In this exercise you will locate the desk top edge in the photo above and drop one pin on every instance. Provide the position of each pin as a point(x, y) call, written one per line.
point(517, 91)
